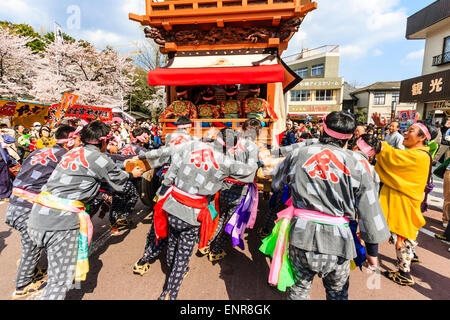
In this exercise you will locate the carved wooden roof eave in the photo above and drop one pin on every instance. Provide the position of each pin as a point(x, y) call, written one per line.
point(223, 37)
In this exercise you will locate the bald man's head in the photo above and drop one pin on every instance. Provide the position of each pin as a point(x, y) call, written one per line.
point(393, 127)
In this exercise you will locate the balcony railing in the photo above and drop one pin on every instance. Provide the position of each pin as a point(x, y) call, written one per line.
point(441, 59)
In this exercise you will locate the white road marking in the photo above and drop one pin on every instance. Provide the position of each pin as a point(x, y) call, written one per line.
point(427, 232)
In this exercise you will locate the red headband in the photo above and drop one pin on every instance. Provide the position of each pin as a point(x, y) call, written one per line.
point(184, 126)
point(364, 147)
point(71, 138)
point(334, 134)
point(181, 93)
point(424, 129)
point(208, 98)
point(107, 137)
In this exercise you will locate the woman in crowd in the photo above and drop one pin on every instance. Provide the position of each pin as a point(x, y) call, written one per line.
point(45, 139)
point(405, 175)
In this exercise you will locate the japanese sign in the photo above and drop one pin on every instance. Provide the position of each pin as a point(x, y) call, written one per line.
point(24, 113)
point(331, 83)
point(317, 108)
point(430, 87)
point(7, 108)
point(67, 101)
point(83, 112)
point(406, 115)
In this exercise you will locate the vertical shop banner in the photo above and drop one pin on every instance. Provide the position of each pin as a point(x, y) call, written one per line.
point(24, 113)
point(67, 101)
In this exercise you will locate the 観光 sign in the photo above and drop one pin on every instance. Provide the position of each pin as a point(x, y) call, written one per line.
point(430, 87)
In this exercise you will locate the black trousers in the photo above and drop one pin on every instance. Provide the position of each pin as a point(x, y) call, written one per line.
point(182, 239)
point(123, 203)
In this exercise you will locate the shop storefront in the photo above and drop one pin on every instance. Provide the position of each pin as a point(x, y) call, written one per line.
point(431, 92)
point(315, 98)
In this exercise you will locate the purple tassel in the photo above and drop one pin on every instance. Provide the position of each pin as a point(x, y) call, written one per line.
point(237, 224)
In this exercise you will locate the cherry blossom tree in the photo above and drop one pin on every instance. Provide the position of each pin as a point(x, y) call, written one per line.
point(157, 103)
point(99, 78)
point(18, 64)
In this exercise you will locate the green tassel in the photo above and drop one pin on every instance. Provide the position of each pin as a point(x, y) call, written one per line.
point(286, 278)
point(213, 212)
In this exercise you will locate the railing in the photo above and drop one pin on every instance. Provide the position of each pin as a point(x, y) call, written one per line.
point(179, 9)
point(175, 5)
point(441, 59)
point(199, 131)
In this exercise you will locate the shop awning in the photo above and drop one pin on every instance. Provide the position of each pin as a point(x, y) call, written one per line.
point(224, 67)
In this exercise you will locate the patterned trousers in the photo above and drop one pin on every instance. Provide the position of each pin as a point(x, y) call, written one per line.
point(333, 270)
point(182, 238)
point(405, 253)
point(62, 249)
point(152, 250)
point(230, 198)
point(17, 218)
point(123, 203)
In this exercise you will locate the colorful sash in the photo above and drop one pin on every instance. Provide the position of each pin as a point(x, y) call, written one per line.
point(86, 229)
point(208, 215)
point(244, 217)
point(277, 244)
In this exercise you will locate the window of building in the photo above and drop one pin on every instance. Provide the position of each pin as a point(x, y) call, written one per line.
point(395, 97)
point(317, 70)
point(379, 98)
point(301, 95)
point(446, 49)
point(446, 45)
point(303, 72)
point(324, 95)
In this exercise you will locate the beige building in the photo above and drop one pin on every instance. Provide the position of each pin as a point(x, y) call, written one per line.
point(321, 90)
point(381, 97)
point(431, 90)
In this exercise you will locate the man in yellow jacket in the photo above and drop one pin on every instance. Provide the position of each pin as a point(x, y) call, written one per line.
point(404, 174)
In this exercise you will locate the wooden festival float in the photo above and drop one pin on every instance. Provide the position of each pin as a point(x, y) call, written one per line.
point(220, 42)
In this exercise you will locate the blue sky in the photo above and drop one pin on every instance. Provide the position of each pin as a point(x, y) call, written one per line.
point(370, 33)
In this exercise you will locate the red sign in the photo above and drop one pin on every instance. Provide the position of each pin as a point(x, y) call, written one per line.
point(67, 101)
point(8, 109)
point(406, 115)
point(83, 112)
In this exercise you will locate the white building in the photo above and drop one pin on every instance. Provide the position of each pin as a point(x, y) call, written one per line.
point(431, 90)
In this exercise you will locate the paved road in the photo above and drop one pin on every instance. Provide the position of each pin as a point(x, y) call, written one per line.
point(242, 275)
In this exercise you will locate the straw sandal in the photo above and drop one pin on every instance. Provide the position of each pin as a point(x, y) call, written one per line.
point(217, 256)
point(123, 222)
point(31, 288)
point(399, 279)
point(141, 269)
point(205, 250)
